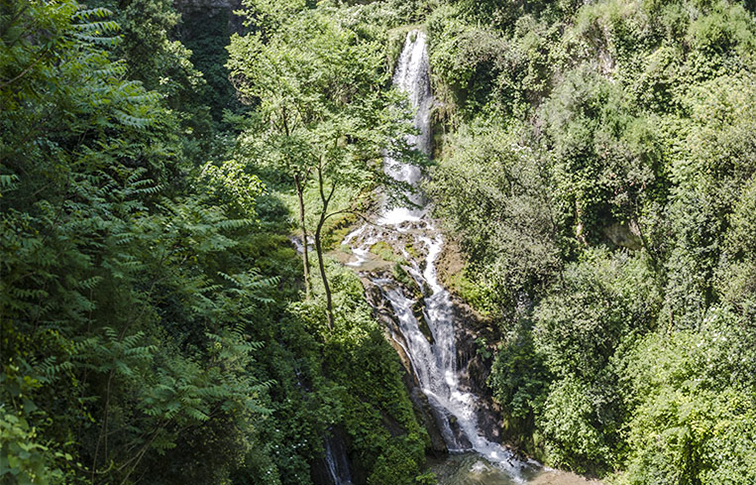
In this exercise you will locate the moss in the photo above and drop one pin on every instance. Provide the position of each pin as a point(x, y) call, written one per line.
point(419, 313)
point(405, 279)
point(386, 252)
point(337, 230)
point(412, 250)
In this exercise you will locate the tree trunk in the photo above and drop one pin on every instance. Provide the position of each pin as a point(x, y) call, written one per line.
point(319, 247)
point(305, 252)
point(321, 265)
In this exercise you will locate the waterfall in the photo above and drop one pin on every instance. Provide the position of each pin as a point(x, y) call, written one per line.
point(433, 360)
point(336, 462)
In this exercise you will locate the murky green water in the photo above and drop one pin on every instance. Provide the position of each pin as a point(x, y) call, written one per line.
point(472, 469)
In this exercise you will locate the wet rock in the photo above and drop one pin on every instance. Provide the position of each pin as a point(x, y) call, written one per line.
point(625, 235)
point(424, 411)
point(474, 367)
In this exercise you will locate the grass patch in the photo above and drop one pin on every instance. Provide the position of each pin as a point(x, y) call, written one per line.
point(337, 229)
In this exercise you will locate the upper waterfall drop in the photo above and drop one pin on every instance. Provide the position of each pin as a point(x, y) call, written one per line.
point(412, 76)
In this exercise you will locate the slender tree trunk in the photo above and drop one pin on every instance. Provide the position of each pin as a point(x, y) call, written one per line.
point(319, 247)
point(321, 265)
point(300, 186)
point(305, 252)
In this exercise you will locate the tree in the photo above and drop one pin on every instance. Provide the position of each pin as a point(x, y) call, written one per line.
point(145, 305)
point(492, 193)
point(325, 116)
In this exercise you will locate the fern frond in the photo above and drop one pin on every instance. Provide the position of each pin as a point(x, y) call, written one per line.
point(8, 181)
point(132, 121)
point(98, 12)
point(98, 27)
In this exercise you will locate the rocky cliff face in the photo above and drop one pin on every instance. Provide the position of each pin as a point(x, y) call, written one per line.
point(474, 367)
point(394, 336)
point(193, 11)
point(191, 5)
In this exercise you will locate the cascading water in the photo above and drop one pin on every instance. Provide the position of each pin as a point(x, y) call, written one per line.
point(433, 360)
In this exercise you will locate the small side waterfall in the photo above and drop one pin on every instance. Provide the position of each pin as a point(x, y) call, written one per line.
point(337, 463)
point(333, 468)
point(433, 360)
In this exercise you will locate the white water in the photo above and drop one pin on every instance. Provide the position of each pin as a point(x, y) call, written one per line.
point(434, 363)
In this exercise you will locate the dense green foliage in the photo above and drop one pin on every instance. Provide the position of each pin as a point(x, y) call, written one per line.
point(152, 324)
point(600, 177)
